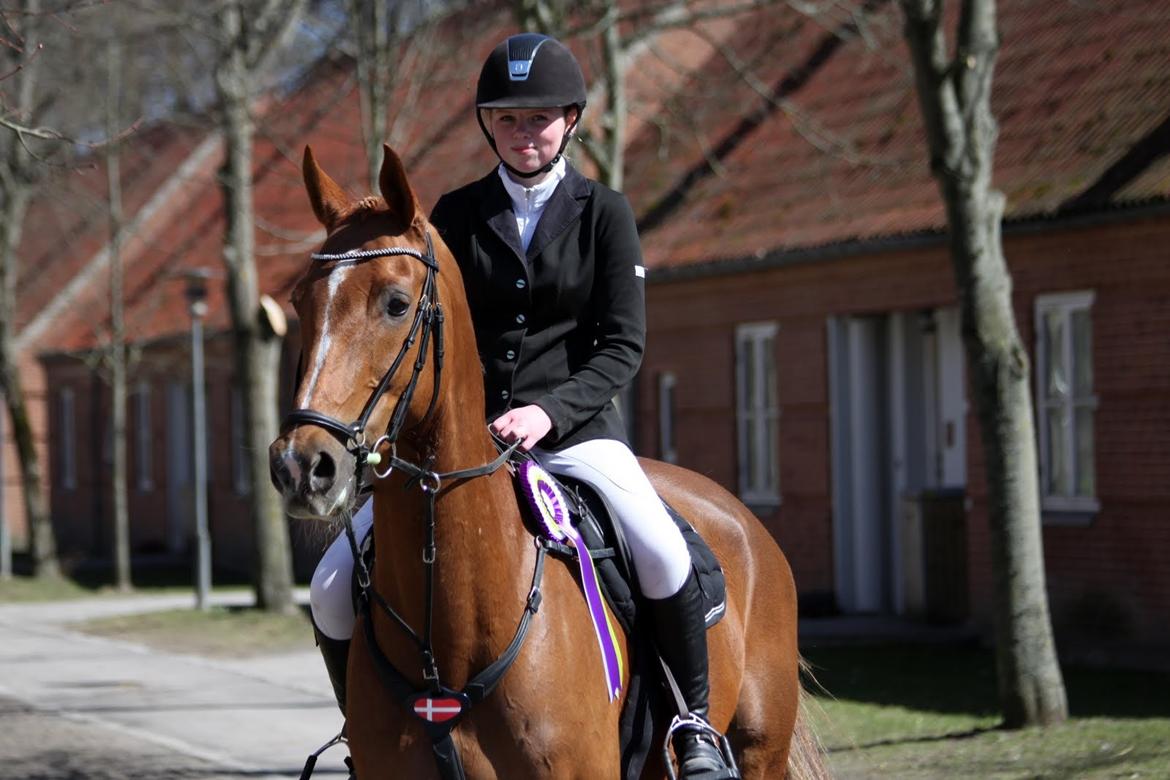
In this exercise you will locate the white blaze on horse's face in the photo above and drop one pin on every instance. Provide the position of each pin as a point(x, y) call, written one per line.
point(324, 338)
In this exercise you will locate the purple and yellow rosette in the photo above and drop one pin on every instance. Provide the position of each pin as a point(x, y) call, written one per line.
point(551, 510)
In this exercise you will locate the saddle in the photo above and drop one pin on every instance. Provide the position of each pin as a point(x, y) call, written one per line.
point(648, 706)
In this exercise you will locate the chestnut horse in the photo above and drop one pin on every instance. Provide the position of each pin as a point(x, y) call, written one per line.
point(549, 717)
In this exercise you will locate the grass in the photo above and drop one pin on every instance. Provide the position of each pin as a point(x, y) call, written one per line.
point(97, 581)
point(217, 633)
point(20, 589)
point(930, 711)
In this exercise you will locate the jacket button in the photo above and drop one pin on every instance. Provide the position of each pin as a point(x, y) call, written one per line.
point(504, 394)
point(521, 284)
point(519, 319)
point(510, 354)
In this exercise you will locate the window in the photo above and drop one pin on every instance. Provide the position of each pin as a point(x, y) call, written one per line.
point(143, 439)
point(68, 441)
point(241, 481)
point(667, 449)
point(757, 413)
point(1065, 401)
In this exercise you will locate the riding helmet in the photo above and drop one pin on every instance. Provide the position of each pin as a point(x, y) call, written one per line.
point(530, 70)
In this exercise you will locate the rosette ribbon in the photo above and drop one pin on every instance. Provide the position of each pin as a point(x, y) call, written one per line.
point(550, 508)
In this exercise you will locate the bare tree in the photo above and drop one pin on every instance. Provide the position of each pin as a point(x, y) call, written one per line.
point(393, 40)
point(121, 536)
point(247, 34)
point(954, 93)
point(20, 170)
point(623, 35)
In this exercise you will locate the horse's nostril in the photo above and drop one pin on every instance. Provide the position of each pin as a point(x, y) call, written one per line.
point(281, 478)
point(323, 472)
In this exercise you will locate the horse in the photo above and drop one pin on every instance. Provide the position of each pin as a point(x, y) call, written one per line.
point(381, 267)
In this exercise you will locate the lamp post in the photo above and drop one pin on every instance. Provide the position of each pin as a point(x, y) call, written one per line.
point(197, 305)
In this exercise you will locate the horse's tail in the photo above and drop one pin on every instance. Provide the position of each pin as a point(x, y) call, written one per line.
point(806, 754)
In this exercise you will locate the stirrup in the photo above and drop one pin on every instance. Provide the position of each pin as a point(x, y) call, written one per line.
point(311, 761)
point(696, 723)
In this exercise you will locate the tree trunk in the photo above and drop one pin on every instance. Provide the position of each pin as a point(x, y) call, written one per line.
point(614, 120)
point(16, 178)
point(961, 131)
point(257, 348)
point(373, 70)
point(42, 542)
point(121, 535)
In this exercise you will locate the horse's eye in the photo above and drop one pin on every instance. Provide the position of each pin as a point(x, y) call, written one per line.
point(397, 307)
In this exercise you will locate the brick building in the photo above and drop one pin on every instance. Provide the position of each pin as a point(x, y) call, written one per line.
point(803, 332)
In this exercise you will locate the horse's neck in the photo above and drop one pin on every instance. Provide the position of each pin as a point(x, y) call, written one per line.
point(480, 549)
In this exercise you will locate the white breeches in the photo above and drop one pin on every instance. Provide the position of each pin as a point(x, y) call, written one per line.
point(660, 553)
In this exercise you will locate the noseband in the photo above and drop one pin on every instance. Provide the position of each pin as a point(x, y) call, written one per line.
point(428, 317)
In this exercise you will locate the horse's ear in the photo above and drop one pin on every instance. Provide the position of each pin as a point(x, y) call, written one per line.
point(328, 199)
point(396, 189)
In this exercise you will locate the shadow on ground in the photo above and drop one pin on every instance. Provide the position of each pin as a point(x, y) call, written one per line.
point(960, 679)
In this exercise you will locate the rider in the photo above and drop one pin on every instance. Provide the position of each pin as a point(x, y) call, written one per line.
point(554, 277)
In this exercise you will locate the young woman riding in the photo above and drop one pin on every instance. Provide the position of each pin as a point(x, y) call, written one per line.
point(554, 277)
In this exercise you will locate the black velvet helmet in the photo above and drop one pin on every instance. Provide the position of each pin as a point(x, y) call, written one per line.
point(530, 70)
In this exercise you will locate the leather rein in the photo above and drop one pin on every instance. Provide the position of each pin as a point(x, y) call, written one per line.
point(428, 320)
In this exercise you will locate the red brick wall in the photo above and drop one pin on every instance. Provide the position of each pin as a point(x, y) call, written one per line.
point(1119, 562)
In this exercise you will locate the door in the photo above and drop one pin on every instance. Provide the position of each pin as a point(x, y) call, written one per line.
point(898, 412)
point(858, 384)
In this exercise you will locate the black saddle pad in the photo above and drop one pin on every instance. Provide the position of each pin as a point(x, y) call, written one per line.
point(615, 567)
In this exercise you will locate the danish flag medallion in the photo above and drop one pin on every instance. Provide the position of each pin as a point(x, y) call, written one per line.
point(438, 709)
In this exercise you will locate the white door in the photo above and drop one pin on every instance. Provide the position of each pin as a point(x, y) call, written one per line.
point(858, 380)
point(898, 409)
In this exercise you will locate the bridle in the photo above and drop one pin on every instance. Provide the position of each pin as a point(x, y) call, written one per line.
point(428, 320)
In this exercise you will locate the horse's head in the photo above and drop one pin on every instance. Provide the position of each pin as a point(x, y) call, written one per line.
point(367, 307)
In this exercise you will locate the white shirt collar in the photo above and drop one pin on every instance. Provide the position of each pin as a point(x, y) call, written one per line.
point(529, 199)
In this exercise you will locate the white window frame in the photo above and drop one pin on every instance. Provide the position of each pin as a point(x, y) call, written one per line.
point(68, 410)
point(1065, 304)
point(241, 483)
point(758, 464)
point(143, 439)
point(667, 443)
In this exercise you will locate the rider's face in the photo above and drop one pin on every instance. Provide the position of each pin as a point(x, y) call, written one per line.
point(529, 138)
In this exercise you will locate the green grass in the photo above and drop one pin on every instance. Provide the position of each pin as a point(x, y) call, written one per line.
point(21, 588)
point(216, 633)
point(98, 581)
point(930, 711)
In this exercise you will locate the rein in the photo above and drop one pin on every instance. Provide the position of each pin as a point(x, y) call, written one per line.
point(450, 705)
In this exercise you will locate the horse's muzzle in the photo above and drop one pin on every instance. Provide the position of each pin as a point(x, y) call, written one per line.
point(313, 473)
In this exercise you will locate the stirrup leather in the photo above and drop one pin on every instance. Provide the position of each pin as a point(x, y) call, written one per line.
point(699, 725)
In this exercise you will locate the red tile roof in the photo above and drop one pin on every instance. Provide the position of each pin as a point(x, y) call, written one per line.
point(714, 169)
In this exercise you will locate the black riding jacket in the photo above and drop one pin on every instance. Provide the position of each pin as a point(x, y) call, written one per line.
point(563, 325)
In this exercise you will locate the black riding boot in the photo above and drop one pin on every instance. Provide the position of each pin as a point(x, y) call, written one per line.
point(681, 633)
point(336, 655)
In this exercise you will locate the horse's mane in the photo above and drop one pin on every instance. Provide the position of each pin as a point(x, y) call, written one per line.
point(369, 207)
point(360, 210)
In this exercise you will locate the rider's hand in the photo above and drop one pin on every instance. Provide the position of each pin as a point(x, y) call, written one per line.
point(528, 424)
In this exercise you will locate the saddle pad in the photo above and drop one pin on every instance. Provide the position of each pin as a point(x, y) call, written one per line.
point(615, 570)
